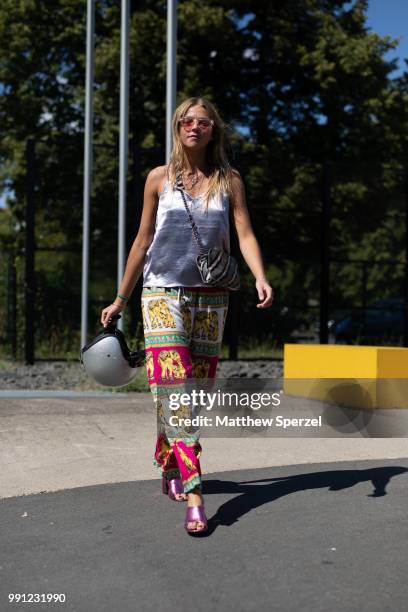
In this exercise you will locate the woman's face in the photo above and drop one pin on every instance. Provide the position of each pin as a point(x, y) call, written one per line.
point(197, 130)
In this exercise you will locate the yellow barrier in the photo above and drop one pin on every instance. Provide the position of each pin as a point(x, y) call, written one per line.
point(357, 376)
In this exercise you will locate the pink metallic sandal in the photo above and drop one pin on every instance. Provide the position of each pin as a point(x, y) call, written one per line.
point(196, 514)
point(172, 488)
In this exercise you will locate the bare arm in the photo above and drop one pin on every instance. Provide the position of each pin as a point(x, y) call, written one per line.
point(142, 242)
point(248, 243)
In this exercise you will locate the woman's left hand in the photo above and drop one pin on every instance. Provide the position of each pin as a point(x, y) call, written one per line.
point(265, 293)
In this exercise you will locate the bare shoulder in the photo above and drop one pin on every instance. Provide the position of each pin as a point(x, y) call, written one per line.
point(237, 184)
point(236, 180)
point(156, 179)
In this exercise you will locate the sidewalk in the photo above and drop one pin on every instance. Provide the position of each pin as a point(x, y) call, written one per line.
point(50, 444)
point(311, 524)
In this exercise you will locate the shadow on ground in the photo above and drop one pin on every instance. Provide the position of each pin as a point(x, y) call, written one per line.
point(252, 494)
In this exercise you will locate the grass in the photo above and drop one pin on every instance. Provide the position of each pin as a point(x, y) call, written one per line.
point(263, 350)
point(260, 350)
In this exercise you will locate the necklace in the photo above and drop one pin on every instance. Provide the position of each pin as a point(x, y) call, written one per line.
point(189, 182)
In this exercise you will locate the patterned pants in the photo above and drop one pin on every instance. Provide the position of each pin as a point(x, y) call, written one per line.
point(183, 330)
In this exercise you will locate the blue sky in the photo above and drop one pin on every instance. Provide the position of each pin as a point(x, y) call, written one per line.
point(385, 17)
point(391, 17)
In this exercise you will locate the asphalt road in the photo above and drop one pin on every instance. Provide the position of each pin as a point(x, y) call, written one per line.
point(317, 537)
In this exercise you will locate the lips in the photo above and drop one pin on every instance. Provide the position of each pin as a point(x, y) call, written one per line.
point(193, 136)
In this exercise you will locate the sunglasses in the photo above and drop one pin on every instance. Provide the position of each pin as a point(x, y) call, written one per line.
point(202, 122)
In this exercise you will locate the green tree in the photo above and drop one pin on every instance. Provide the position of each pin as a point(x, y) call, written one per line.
point(307, 81)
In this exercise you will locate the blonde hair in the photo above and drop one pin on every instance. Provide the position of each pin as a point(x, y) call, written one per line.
point(220, 179)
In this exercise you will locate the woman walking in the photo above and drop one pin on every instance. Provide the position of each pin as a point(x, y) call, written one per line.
point(183, 318)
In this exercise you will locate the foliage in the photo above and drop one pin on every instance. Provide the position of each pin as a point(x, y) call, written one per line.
point(307, 80)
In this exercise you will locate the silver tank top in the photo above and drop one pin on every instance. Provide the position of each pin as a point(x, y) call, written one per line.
point(171, 258)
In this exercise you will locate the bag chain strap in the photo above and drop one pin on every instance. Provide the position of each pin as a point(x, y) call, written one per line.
point(196, 235)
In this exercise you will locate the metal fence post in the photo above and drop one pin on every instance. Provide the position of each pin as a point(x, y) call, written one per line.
point(30, 253)
point(325, 253)
point(12, 305)
point(405, 339)
point(364, 292)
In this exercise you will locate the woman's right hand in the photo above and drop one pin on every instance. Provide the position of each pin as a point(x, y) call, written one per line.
point(110, 312)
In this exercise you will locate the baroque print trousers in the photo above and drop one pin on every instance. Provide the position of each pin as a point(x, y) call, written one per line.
point(183, 328)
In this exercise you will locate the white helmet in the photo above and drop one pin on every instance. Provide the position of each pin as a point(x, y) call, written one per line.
point(108, 360)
